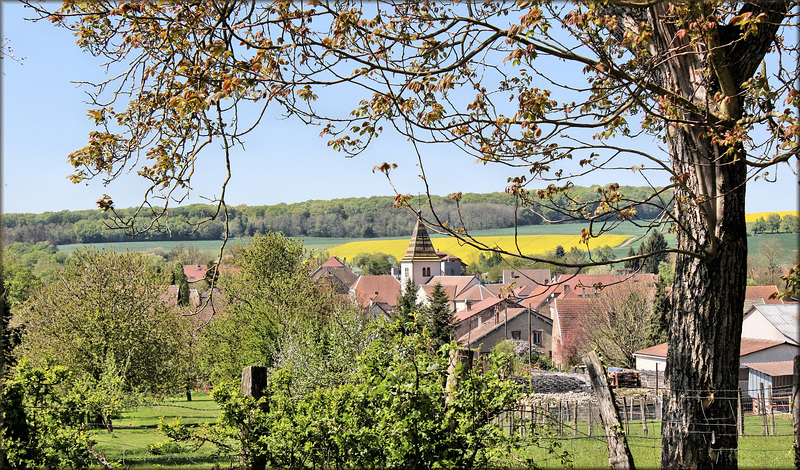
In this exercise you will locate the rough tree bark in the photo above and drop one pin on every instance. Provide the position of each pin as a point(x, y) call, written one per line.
point(703, 359)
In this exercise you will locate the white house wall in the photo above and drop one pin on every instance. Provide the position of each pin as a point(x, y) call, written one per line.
point(757, 327)
point(783, 352)
point(649, 363)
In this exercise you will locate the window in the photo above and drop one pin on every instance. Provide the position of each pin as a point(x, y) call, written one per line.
point(426, 272)
point(452, 272)
point(537, 338)
point(406, 272)
point(516, 335)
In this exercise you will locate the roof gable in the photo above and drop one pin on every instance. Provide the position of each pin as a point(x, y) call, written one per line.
point(377, 289)
point(460, 283)
point(333, 261)
point(487, 327)
point(785, 318)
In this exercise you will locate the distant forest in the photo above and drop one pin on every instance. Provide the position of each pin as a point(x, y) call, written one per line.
point(348, 218)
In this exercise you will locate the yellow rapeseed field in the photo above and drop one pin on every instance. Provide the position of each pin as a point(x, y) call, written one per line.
point(528, 244)
point(757, 215)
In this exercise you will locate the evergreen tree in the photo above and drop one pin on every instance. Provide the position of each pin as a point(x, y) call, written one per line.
point(560, 252)
point(179, 278)
point(655, 242)
point(407, 305)
point(662, 306)
point(631, 264)
point(440, 320)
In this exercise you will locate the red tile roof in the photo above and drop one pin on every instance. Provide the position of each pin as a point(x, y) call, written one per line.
point(762, 292)
point(377, 289)
point(461, 283)
point(195, 272)
point(450, 291)
point(333, 261)
point(577, 285)
point(500, 290)
point(539, 295)
point(476, 294)
point(477, 308)
point(445, 257)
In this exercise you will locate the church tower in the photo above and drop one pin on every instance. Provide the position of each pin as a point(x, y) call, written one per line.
point(420, 262)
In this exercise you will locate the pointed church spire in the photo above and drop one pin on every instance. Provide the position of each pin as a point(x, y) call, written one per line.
point(420, 248)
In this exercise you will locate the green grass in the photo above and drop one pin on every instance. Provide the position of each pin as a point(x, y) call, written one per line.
point(137, 430)
point(789, 242)
point(755, 451)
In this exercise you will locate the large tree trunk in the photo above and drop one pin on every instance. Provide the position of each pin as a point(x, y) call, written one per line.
point(708, 296)
point(710, 274)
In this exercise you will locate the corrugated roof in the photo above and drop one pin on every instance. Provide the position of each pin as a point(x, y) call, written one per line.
point(747, 346)
point(420, 248)
point(774, 369)
point(784, 317)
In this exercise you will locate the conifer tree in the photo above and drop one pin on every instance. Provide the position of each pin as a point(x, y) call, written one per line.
point(440, 320)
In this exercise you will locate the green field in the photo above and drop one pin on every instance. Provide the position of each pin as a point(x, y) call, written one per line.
point(633, 236)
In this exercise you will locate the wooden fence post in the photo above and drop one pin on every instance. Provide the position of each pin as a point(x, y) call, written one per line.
point(575, 418)
point(560, 417)
point(625, 414)
point(762, 407)
point(254, 381)
point(771, 411)
point(591, 415)
point(739, 413)
point(643, 404)
point(619, 455)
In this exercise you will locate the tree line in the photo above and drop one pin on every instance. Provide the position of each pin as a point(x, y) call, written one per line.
point(346, 218)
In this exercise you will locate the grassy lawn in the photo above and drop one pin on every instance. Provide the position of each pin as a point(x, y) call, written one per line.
point(137, 430)
point(755, 451)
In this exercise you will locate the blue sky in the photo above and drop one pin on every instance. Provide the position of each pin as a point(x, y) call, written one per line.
point(44, 119)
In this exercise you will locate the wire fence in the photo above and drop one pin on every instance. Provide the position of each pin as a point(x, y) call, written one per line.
point(761, 419)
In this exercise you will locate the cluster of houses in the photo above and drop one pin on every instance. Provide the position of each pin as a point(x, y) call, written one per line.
point(548, 314)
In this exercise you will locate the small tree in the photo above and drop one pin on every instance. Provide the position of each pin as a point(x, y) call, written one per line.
point(179, 279)
point(655, 243)
point(407, 305)
point(632, 264)
point(662, 311)
point(375, 263)
point(773, 222)
point(438, 317)
point(759, 226)
point(621, 321)
point(790, 224)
